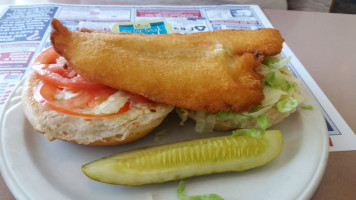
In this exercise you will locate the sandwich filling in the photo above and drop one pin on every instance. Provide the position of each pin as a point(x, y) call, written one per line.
point(65, 91)
point(281, 95)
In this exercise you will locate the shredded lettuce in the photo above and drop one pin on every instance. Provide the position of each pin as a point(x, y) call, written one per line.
point(271, 59)
point(262, 121)
point(272, 96)
point(184, 114)
point(291, 87)
point(182, 196)
point(112, 104)
point(307, 107)
point(287, 105)
point(276, 62)
point(276, 80)
point(232, 115)
point(248, 132)
point(205, 122)
point(259, 111)
point(280, 64)
point(279, 91)
point(273, 70)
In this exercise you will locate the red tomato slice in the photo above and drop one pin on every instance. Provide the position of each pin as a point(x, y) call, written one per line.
point(50, 67)
point(48, 92)
point(48, 104)
point(51, 74)
point(78, 101)
point(48, 56)
point(100, 96)
point(44, 94)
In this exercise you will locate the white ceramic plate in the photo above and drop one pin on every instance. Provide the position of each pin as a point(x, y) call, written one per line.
point(35, 168)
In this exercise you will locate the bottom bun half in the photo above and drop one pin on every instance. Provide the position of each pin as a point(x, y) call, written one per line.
point(98, 131)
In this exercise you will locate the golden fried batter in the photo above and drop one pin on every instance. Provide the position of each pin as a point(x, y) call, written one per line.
point(211, 71)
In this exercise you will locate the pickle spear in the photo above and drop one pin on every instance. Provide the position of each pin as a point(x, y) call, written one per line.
point(186, 159)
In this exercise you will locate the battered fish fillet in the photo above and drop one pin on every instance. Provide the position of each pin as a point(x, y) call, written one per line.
point(210, 71)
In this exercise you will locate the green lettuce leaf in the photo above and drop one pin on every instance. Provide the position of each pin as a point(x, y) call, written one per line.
point(276, 62)
point(182, 196)
point(272, 96)
point(252, 132)
point(276, 80)
point(232, 115)
point(307, 107)
point(287, 104)
point(281, 63)
point(262, 122)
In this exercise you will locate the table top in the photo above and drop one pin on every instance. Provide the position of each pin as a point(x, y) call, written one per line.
point(325, 44)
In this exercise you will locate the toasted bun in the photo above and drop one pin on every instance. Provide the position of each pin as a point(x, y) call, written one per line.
point(100, 131)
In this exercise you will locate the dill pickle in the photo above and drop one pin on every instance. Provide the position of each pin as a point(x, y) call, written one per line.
point(186, 159)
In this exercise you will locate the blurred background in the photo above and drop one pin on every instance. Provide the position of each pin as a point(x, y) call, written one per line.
point(333, 6)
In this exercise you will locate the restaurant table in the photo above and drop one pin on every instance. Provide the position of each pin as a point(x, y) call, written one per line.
point(325, 44)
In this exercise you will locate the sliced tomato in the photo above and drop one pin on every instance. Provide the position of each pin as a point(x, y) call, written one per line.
point(45, 93)
point(100, 96)
point(52, 74)
point(47, 56)
point(51, 68)
point(58, 68)
point(48, 104)
point(78, 101)
point(48, 92)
